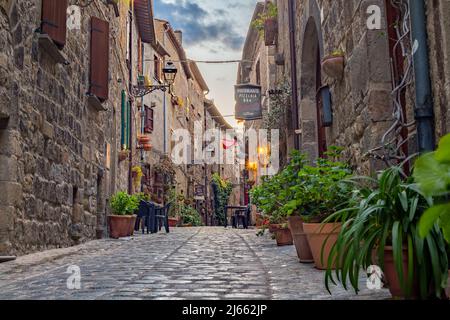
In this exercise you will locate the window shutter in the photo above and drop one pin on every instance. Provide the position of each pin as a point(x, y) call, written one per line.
point(148, 119)
point(54, 20)
point(99, 58)
point(123, 127)
point(151, 111)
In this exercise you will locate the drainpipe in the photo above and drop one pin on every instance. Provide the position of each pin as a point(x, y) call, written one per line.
point(294, 86)
point(424, 113)
point(130, 167)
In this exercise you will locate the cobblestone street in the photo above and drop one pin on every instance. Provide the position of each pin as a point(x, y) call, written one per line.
point(188, 263)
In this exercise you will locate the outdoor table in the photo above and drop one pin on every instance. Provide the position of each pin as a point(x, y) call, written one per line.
point(237, 214)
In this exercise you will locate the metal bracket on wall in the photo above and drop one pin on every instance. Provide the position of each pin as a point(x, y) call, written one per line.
point(142, 91)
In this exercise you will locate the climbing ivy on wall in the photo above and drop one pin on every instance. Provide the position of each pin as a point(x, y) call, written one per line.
point(275, 117)
point(222, 190)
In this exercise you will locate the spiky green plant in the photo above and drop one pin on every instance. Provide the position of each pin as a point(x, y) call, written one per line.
point(387, 213)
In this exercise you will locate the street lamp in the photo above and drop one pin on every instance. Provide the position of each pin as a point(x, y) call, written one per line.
point(170, 72)
point(144, 87)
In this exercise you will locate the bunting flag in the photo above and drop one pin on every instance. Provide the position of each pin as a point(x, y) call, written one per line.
point(228, 144)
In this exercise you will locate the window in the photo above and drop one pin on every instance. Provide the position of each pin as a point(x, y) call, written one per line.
point(149, 114)
point(157, 68)
point(99, 71)
point(54, 20)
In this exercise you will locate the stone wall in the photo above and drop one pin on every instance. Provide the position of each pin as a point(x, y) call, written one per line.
point(361, 99)
point(439, 43)
point(57, 178)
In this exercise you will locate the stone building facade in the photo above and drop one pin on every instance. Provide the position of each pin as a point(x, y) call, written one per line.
point(70, 118)
point(364, 99)
point(439, 43)
point(59, 143)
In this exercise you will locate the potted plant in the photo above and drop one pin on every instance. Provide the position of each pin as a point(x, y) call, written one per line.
point(300, 239)
point(319, 192)
point(283, 236)
point(333, 64)
point(123, 155)
point(267, 24)
point(143, 139)
point(432, 173)
point(147, 147)
point(380, 227)
point(190, 217)
point(289, 178)
point(123, 207)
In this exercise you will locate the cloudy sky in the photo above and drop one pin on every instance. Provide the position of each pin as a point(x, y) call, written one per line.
point(212, 30)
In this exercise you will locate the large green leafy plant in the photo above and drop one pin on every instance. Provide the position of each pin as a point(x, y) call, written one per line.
point(270, 13)
point(271, 196)
point(432, 173)
point(190, 216)
point(386, 212)
point(319, 190)
point(123, 204)
point(313, 192)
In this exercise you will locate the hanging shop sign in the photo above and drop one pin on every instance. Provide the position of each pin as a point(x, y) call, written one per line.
point(248, 102)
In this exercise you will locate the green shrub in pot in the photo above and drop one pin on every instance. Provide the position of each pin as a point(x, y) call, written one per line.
point(122, 222)
point(275, 191)
point(319, 190)
point(380, 226)
point(432, 173)
point(123, 204)
point(190, 216)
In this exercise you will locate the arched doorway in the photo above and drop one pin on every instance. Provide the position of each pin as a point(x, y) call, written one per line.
point(313, 132)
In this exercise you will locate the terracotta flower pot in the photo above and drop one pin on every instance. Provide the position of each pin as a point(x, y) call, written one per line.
point(119, 226)
point(147, 147)
point(274, 227)
point(259, 220)
point(333, 66)
point(300, 239)
point(123, 155)
point(173, 222)
point(390, 273)
point(317, 234)
point(144, 139)
point(187, 225)
point(132, 225)
point(283, 237)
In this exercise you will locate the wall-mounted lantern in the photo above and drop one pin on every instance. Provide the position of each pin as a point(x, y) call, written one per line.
point(327, 106)
point(144, 88)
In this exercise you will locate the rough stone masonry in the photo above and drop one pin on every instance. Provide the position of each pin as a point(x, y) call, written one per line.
point(53, 143)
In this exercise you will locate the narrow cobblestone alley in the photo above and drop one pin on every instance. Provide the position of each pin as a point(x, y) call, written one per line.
point(188, 263)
